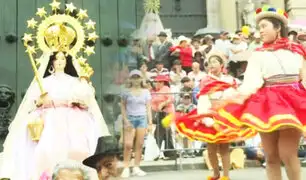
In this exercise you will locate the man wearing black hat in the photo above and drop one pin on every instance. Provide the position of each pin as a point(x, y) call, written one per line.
point(105, 158)
point(163, 52)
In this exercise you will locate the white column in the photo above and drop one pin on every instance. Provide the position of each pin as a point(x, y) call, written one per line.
point(228, 15)
point(213, 13)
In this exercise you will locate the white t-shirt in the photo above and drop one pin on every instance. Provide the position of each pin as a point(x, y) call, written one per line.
point(197, 77)
point(237, 47)
point(223, 46)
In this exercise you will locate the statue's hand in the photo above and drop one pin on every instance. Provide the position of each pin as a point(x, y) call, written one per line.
point(44, 100)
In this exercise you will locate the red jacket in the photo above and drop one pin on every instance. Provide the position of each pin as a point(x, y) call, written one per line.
point(185, 55)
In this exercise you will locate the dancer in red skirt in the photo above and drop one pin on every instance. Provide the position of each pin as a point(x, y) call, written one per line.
point(272, 98)
point(196, 125)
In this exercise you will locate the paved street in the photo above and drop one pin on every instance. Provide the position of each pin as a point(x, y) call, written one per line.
point(246, 174)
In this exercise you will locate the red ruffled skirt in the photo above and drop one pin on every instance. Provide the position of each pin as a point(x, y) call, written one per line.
point(271, 108)
point(188, 126)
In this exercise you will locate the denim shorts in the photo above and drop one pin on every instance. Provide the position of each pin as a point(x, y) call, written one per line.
point(138, 121)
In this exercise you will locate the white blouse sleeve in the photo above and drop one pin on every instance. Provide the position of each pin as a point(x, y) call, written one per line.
point(253, 76)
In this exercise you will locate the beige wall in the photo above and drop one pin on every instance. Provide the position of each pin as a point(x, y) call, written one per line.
point(228, 16)
point(278, 3)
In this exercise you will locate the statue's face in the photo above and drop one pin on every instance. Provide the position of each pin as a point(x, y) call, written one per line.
point(59, 63)
point(5, 94)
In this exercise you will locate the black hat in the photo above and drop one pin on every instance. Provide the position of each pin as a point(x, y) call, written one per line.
point(294, 33)
point(107, 145)
point(163, 34)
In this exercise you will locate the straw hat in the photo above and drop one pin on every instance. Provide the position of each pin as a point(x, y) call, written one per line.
point(217, 53)
point(267, 11)
point(183, 38)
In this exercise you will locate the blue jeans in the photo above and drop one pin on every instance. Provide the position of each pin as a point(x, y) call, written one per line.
point(138, 121)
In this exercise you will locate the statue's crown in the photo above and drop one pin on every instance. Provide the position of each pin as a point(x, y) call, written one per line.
point(59, 37)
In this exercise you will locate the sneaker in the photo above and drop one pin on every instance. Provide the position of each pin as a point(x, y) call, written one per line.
point(138, 172)
point(125, 173)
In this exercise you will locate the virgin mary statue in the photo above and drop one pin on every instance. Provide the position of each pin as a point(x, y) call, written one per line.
point(72, 122)
point(68, 112)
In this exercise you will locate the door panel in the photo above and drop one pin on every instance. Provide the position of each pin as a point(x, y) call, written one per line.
point(8, 52)
point(8, 46)
point(108, 29)
point(26, 11)
point(127, 17)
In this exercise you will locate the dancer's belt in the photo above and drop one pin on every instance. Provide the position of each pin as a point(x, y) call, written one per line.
point(282, 79)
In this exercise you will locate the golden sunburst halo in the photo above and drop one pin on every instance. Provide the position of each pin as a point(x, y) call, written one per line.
point(77, 26)
point(70, 7)
point(41, 12)
point(32, 23)
point(55, 5)
point(93, 36)
point(152, 6)
point(53, 32)
point(82, 14)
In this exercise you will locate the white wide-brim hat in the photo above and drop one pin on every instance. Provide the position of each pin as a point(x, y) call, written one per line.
point(183, 38)
point(267, 11)
point(135, 72)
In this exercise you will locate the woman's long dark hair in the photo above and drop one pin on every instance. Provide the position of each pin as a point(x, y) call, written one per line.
point(69, 69)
